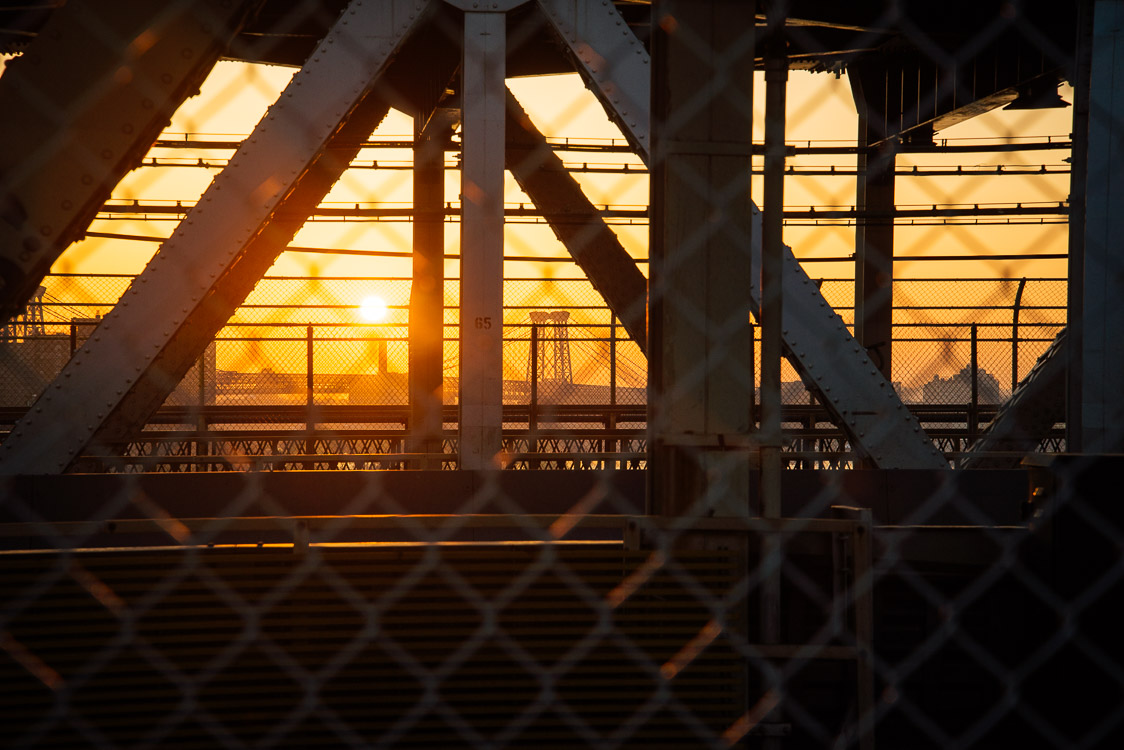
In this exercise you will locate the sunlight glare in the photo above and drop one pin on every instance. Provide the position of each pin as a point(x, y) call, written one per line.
point(373, 309)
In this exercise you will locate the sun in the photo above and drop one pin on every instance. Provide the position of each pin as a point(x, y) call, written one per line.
point(373, 309)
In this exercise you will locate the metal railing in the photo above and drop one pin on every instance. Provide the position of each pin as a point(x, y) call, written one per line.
point(275, 392)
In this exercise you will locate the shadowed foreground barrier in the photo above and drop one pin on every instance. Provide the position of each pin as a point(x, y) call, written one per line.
point(393, 645)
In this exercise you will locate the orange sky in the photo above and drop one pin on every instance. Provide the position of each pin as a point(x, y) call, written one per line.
point(819, 108)
point(235, 95)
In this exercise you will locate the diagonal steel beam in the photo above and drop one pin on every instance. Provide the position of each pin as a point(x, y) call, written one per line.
point(611, 59)
point(1037, 404)
point(843, 377)
point(576, 222)
point(245, 218)
point(82, 106)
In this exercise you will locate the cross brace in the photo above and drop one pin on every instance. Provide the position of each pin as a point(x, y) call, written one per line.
point(81, 107)
point(245, 218)
point(576, 222)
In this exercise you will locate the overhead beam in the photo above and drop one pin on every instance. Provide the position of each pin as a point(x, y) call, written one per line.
point(145, 345)
point(915, 94)
point(576, 222)
point(82, 105)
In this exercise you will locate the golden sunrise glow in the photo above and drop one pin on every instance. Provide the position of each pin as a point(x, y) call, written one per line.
point(350, 254)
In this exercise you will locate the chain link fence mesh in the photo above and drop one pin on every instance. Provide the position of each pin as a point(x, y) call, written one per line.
point(281, 559)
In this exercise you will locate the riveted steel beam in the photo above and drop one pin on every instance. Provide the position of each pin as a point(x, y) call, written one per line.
point(577, 223)
point(844, 378)
point(82, 106)
point(248, 214)
point(611, 59)
point(1028, 416)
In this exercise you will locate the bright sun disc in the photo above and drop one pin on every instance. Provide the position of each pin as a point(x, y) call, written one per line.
point(373, 309)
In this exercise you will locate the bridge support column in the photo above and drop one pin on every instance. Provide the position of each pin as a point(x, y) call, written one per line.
point(483, 92)
point(577, 223)
point(874, 235)
point(427, 290)
point(700, 367)
point(1102, 319)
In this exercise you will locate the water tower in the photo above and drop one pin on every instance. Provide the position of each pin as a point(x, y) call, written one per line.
point(552, 350)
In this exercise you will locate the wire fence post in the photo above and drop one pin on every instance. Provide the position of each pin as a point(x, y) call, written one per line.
point(309, 400)
point(974, 405)
point(1015, 335)
point(73, 338)
point(533, 407)
point(612, 445)
point(201, 445)
point(613, 361)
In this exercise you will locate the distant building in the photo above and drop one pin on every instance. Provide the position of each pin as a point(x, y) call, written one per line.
point(958, 388)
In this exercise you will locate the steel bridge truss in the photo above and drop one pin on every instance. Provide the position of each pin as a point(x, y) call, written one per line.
point(113, 385)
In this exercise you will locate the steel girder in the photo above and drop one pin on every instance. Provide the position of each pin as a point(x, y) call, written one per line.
point(82, 106)
point(843, 377)
point(238, 249)
point(426, 366)
point(611, 59)
point(576, 222)
point(246, 217)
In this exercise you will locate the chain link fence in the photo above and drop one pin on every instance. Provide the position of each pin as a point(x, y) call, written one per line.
point(354, 333)
point(291, 551)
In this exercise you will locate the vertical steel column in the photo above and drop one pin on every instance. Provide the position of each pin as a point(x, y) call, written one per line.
point(874, 234)
point(863, 571)
point(1078, 176)
point(874, 259)
point(772, 264)
point(700, 371)
point(482, 170)
point(770, 318)
point(1102, 319)
point(974, 388)
point(427, 292)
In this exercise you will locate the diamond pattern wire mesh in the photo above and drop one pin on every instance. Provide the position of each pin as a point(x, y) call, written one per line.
point(265, 568)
